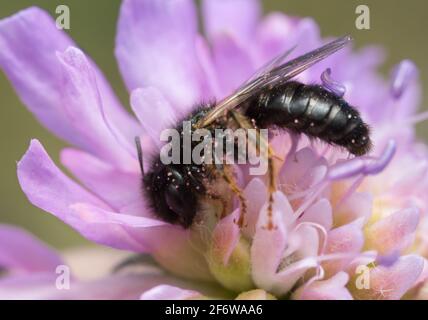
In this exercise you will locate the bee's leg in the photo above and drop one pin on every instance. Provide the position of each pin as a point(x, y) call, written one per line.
point(271, 187)
point(231, 181)
point(216, 197)
point(258, 144)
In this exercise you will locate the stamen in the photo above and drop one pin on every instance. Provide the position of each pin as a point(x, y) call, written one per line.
point(388, 153)
point(320, 228)
point(334, 86)
point(402, 74)
point(346, 255)
point(305, 205)
point(350, 191)
point(319, 275)
point(346, 169)
point(420, 117)
point(300, 194)
point(360, 165)
point(389, 259)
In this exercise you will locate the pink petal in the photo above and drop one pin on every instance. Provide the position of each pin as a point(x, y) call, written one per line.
point(393, 233)
point(47, 187)
point(154, 112)
point(205, 58)
point(155, 46)
point(392, 283)
point(28, 43)
point(278, 32)
point(32, 286)
point(21, 251)
point(181, 252)
point(273, 35)
point(267, 249)
point(423, 277)
point(330, 289)
point(118, 231)
point(300, 169)
point(404, 180)
point(220, 17)
point(308, 238)
point(347, 239)
point(300, 256)
point(319, 213)
point(286, 279)
point(226, 235)
point(402, 76)
point(117, 188)
point(83, 105)
point(281, 203)
point(114, 287)
point(257, 193)
point(166, 292)
point(421, 287)
point(358, 205)
point(232, 62)
point(173, 247)
point(93, 261)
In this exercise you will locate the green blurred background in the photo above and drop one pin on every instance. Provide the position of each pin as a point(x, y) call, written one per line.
point(398, 25)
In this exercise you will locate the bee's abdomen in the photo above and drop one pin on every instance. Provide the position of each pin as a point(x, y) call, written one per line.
point(314, 111)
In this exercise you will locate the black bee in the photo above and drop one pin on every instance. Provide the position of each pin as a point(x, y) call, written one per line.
point(269, 99)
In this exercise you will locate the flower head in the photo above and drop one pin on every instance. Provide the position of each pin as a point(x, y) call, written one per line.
point(333, 218)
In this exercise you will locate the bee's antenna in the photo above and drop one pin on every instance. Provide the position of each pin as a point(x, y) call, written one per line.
point(140, 154)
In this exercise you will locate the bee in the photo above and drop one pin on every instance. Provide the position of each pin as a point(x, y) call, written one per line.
point(269, 99)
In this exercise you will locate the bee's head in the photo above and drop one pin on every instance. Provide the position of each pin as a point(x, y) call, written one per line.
point(172, 191)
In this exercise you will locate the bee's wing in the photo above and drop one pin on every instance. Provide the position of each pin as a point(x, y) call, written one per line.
point(266, 68)
point(273, 73)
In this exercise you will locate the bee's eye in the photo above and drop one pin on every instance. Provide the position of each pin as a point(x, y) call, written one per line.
point(181, 200)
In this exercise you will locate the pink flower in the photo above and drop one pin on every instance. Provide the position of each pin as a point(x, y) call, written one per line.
point(338, 222)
